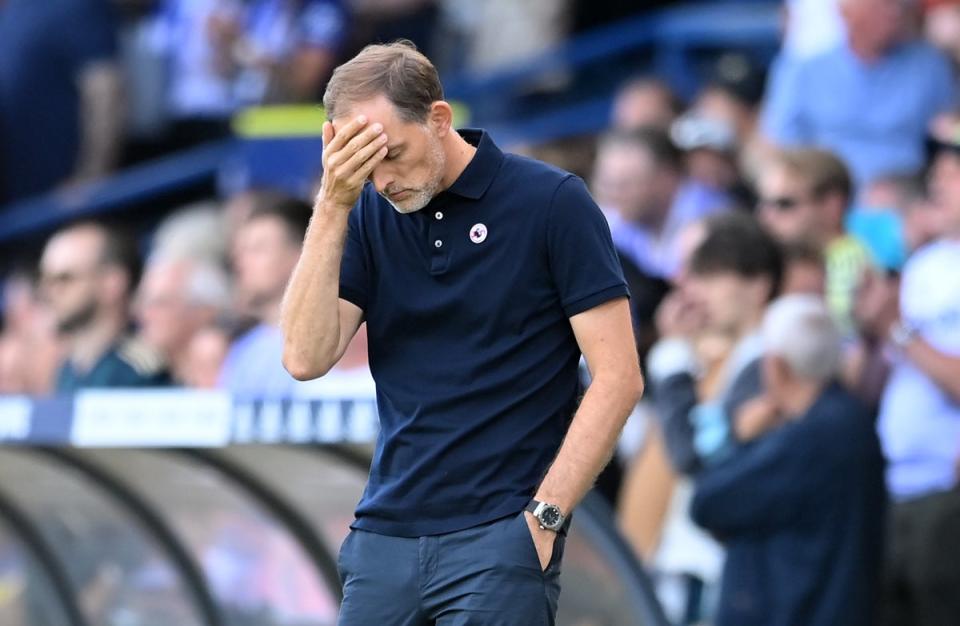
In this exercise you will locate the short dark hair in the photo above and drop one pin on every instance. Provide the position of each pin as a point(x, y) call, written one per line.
point(735, 242)
point(293, 213)
point(119, 249)
point(656, 142)
point(396, 70)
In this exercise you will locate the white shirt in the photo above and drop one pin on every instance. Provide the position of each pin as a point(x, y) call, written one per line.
point(919, 423)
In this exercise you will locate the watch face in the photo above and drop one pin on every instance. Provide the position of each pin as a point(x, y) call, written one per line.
point(550, 516)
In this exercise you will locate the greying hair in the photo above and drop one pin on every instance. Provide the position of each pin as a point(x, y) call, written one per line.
point(396, 70)
point(799, 329)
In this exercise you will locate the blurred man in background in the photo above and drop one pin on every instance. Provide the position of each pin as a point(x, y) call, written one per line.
point(804, 194)
point(801, 510)
point(640, 182)
point(88, 273)
point(919, 421)
point(60, 94)
point(869, 99)
point(733, 274)
point(178, 297)
point(644, 102)
point(266, 251)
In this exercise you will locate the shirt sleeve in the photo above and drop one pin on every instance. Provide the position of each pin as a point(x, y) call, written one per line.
point(354, 267)
point(781, 116)
point(323, 24)
point(583, 261)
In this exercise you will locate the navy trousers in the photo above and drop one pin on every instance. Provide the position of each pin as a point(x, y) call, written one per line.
point(489, 575)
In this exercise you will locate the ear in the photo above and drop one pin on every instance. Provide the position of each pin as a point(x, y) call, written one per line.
point(115, 284)
point(835, 204)
point(440, 117)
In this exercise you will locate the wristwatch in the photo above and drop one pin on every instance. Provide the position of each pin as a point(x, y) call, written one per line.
point(549, 515)
point(902, 333)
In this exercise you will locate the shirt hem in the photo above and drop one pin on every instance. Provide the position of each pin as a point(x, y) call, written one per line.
point(513, 506)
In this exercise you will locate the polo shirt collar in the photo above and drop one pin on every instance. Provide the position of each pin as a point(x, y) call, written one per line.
point(476, 178)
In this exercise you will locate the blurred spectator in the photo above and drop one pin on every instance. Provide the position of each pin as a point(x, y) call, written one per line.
point(733, 95)
point(31, 352)
point(639, 181)
point(710, 150)
point(800, 511)
point(285, 50)
point(870, 99)
point(919, 421)
point(178, 297)
point(88, 273)
point(200, 231)
point(941, 26)
point(804, 195)
point(644, 102)
point(733, 274)
point(267, 249)
point(205, 354)
point(190, 34)
point(803, 269)
point(60, 94)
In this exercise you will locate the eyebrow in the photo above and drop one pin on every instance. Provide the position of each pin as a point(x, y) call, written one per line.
point(396, 147)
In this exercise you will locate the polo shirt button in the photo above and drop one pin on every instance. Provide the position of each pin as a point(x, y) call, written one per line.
point(438, 215)
point(437, 243)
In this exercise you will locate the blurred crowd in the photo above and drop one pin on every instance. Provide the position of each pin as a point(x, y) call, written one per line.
point(790, 236)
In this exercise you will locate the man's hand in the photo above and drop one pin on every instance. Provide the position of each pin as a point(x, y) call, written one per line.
point(542, 539)
point(349, 157)
point(755, 418)
point(679, 316)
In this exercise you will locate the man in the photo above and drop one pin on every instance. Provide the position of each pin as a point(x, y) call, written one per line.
point(734, 272)
point(178, 297)
point(266, 251)
point(804, 194)
point(870, 99)
point(639, 181)
point(481, 276)
point(800, 510)
point(644, 102)
point(60, 94)
point(87, 273)
point(919, 421)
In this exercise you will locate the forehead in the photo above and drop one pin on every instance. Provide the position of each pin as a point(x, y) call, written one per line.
point(376, 109)
point(72, 248)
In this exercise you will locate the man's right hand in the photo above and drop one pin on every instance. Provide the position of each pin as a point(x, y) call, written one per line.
point(349, 157)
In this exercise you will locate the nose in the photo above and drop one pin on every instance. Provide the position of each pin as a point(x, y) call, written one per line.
point(381, 178)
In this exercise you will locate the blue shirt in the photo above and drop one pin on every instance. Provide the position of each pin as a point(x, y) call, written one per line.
point(919, 422)
point(659, 254)
point(800, 513)
point(873, 115)
point(44, 48)
point(254, 368)
point(467, 304)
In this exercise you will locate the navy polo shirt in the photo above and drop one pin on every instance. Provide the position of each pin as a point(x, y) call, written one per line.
point(467, 304)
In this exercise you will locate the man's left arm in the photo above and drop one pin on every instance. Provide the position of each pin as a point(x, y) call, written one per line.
point(605, 336)
point(942, 368)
